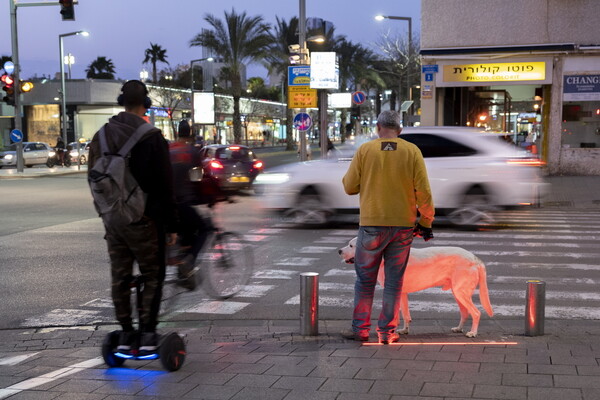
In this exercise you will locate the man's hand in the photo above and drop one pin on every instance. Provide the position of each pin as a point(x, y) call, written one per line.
point(425, 233)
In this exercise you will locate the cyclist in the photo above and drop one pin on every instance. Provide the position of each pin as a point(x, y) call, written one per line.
point(193, 229)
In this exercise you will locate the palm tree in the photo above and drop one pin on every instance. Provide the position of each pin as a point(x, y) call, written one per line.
point(237, 40)
point(356, 72)
point(283, 35)
point(101, 68)
point(154, 55)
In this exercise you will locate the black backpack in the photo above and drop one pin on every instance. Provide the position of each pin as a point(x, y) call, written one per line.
point(118, 198)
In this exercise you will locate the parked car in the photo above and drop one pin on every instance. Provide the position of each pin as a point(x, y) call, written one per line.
point(471, 173)
point(235, 167)
point(85, 150)
point(33, 153)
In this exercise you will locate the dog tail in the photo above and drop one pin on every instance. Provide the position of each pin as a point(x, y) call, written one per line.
point(484, 297)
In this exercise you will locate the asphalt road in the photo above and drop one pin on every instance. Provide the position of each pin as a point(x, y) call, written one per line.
point(55, 266)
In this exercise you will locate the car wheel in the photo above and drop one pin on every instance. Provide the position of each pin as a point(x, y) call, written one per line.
point(29, 166)
point(475, 209)
point(310, 210)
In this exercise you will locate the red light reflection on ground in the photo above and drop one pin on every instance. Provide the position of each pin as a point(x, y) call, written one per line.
point(444, 344)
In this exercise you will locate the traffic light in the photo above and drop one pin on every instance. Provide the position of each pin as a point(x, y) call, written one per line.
point(8, 85)
point(298, 55)
point(67, 10)
point(26, 86)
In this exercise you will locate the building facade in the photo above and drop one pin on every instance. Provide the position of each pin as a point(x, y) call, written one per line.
point(90, 103)
point(530, 69)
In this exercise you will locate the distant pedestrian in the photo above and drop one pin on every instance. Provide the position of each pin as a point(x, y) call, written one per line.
point(389, 175)
point(142, 241)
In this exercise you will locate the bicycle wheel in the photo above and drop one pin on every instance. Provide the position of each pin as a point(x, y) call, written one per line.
point(228, 265)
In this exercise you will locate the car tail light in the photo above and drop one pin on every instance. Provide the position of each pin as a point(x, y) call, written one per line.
point(532, 162)
point(214, 164)
point(257, 164)
point(234, 147)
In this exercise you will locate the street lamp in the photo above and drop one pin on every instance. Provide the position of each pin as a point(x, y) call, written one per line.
point(144, 75)
point(62, 80)
point(409, 55)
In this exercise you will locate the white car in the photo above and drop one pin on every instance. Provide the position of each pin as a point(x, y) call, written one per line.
point(33, 153)
point(471, 173)
point(85, 151)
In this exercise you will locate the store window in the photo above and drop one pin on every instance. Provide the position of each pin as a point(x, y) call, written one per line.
point(581, 124)
point(581, 111)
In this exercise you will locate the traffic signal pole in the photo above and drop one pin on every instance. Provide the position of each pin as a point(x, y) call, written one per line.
point(16, 72)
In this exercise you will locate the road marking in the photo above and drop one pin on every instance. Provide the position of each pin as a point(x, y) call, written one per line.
point(256, 238)
point(458, 243)
point(275, 274)
point(537, 265)
point(49, 377)
point(16, 359)
point(66, 317)
point(100, 303)
point(267, 231)
point(215, 307)
point(255, 291)
point(317, 249)
point(297, 261)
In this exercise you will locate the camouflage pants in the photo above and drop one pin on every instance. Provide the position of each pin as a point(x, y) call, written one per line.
point(127, 244)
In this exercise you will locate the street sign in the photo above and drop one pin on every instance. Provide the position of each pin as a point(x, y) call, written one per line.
point(16, 136)
point(433, 68)
point(302, 121)
point(299, 76)
point(358, 97)
point(406, 105)
point(428, 77)
point(302, 97)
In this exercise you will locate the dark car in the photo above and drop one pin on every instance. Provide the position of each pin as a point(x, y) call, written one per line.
point(233, 166)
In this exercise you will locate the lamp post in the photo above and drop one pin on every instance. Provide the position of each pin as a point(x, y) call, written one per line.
point(409, 55)
point(63, 94)
point(144, 75)
point(303, 61)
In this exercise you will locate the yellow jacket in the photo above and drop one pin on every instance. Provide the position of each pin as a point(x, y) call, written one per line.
point(391, 178)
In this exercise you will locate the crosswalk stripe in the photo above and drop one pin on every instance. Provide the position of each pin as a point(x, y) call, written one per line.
point(537, 265)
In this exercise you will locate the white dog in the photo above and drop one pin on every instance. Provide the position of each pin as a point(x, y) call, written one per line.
point(449, 267)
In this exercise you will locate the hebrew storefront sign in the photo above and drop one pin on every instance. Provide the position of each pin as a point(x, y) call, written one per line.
point(496, 72)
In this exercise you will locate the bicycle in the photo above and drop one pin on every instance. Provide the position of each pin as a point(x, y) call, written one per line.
point(223, 266)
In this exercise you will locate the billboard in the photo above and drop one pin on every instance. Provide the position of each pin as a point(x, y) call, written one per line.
point(340, 100)
point(324, 70)
point(204, 108)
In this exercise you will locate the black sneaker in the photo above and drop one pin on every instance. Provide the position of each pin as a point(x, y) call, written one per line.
point(126, 342)
point(351, 335)
point(148, 343)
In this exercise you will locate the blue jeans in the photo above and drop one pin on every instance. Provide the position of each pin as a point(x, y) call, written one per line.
point(392, 243)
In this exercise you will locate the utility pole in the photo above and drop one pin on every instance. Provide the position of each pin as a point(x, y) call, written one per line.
point(303, 61)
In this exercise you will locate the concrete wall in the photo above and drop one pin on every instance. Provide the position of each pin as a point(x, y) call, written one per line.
point(463, 23)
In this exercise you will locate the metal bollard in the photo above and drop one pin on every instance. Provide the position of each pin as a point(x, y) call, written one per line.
point(309, 303)
point(535, 308)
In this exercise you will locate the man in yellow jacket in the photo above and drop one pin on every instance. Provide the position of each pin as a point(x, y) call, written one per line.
point(389, 174)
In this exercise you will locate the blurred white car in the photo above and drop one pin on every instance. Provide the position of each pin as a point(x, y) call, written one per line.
point(471, 173)
point(33, 153)
point(84, 149)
